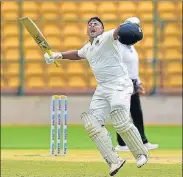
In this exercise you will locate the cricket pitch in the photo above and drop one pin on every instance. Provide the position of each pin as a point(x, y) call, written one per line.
point(157, 156)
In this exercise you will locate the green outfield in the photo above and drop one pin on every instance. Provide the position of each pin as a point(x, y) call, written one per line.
point(25, 153)
point(38, 137)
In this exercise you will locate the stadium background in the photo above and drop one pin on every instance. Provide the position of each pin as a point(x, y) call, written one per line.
point(23, 70)
point(27, 83)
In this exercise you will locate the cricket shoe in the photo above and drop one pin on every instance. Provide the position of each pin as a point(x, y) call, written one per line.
point(141, 160)
point(150, 146)
point(115, 167)
point(122, 148)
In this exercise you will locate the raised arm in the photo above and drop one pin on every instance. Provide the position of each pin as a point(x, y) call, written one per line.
point(129, 32)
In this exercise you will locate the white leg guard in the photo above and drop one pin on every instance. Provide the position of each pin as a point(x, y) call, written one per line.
point(101, 137)
point(128, 132)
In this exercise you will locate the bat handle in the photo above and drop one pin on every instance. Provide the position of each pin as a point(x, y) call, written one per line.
point(56, 62)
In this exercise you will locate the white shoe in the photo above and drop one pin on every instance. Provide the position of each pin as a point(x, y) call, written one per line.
point(150, 146)
point(141, 160)
point(116, 166)
point(122, 148)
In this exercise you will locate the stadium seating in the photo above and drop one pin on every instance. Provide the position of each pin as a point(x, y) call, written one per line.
point(75, 68)
point(10, 29)
point(13, 81)
point(174, 67)
point(11, 54)
point(11, 42)
point(145, 67)
point(71, 43)
point(9, 10)
point(172, 29)
point(147, 81)
point(64, 24)
point(111, 25)
point(148, 42)
point(145, 10)
point(77, 82)
point(172, 42)
point(33, 68)
point(178, 5)
point(87, 9)
point(172, 54)
point(172, 81)
point(2, 83)
point(107, 10)
point(68, 6)
point(165, 6)
point(33, 54)
point(52, 29)
point(92, 82)
point(127, 6)
point(68, 10)
point(12, 69)
point(148, 29)
point(54, 41)
point(2, 69)
point(57, 82)
point(34, 82)
point(50, 10)
point(70, 29)
point(56, 71)
point(31, 9)
point(30, 43)
point(126, 9)
point(167, 10)
point(83, 29)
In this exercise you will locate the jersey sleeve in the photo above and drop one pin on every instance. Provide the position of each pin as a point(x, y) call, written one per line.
point(109, 35)
point(82, 52)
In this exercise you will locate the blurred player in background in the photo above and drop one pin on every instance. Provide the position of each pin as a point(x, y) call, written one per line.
point(130, 58)
point(113, 93)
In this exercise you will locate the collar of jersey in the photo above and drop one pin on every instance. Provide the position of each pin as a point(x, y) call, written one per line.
point(95, 38)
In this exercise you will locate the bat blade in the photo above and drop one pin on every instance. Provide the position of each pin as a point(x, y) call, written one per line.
point(37, 35)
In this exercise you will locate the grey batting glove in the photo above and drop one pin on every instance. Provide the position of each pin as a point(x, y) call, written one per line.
point(133, 20)
point(51, 59)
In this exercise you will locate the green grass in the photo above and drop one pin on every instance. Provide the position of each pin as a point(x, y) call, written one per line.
point(73, 169)
point(37, 137)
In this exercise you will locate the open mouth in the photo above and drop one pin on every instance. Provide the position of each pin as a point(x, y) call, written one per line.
point(93, 31)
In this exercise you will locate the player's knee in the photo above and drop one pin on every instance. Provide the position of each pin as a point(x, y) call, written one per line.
point(91, 124)
point(121, 120)
point(99, 114)
point(118, 106)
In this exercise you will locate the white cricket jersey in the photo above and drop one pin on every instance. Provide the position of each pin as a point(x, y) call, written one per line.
point(105, 57)
point(131, 59)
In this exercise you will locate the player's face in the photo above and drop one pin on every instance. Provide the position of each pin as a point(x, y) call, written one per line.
point(94, 28)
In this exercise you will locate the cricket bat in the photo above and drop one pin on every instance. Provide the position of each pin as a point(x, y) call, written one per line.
point(37, 36)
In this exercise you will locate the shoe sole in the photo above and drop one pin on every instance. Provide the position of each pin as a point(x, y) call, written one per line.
point(152, 148)
point(142, 164)
point(115, 171)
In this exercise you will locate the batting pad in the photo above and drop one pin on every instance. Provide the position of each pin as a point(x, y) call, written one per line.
point(101, 137)
point(127, 130)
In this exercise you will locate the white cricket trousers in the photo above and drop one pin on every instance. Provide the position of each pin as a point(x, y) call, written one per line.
point(111, 96)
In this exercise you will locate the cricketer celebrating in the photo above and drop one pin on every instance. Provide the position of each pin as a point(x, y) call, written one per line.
point(113, 93)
